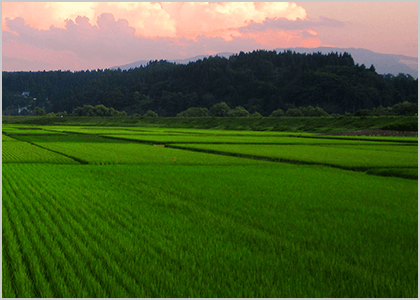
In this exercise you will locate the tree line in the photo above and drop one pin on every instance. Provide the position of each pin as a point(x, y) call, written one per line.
point(223, 110)
point(255, 83)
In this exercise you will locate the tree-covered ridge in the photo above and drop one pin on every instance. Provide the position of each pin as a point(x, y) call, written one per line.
point(260, 81)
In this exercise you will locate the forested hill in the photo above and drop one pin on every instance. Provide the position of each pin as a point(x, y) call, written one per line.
point(261, 81)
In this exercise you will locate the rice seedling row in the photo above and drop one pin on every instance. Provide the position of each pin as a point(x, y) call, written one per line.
point(170, 139)
point(98, 150)
point(199, 231)
point(357, 159)
point(14, 151)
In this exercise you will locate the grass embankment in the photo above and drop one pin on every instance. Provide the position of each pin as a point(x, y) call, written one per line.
point(307, 124)
point(207, 231)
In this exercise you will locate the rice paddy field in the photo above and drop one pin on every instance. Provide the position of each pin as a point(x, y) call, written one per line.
point(91, 211)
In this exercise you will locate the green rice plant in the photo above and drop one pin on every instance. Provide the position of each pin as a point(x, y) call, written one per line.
point(5, 138)
point(169, 139)
point(93, 149)
point(348, 157)
point(14, 151)
point(230, 132)
point(117, 131)
point(19, 131)
point(207, 231)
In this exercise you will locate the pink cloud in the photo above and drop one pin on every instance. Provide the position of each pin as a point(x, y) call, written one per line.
point(100, 35)
point(224, 19)
point(114, 42)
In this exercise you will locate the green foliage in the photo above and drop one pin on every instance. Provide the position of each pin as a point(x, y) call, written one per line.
point(239, 111)
point(194, 112)
point(150, 114)
point(381, 111)
point(310, 111)
point(39, 111)
point(64, 114)
point(294, 112)
point(256, 115)
point(98, 110)
point(363, 112)
point(405, 108)
point(220, 110)
point(277, 113)
point(260, 81)
point(401, 126)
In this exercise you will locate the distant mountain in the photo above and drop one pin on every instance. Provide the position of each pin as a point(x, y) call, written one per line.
point(178, 61)
point(384, 63)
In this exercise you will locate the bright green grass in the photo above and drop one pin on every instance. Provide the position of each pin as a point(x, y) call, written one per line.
point(207, 231)
point(337, 156)
point(97, 150)
point(14, 151)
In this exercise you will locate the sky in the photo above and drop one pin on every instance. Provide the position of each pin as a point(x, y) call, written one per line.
point(90, 35)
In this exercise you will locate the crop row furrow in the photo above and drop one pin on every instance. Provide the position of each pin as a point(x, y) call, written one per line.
point(7, 276)
point(98, 230)
point(50, 258)
point(11, 256)
point(67, 234)
point(127, 233)
point(37, 252)
point(99, 236)
point(84, 233)
point(18, 250)
point(67, 252)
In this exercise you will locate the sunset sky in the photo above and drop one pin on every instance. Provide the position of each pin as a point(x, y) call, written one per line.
point(90, 35)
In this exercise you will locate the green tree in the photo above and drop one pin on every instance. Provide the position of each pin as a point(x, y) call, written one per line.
point(277, 113)
point(220, 109)
point(150, 114)
point(363, 112)
point(294, 112)
point(256, 115)
point(39, 111)
point(320, 112)
point(405, 108)
point(239, 111)
point(194, 112)
point(101, 110)
point(381, 111)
